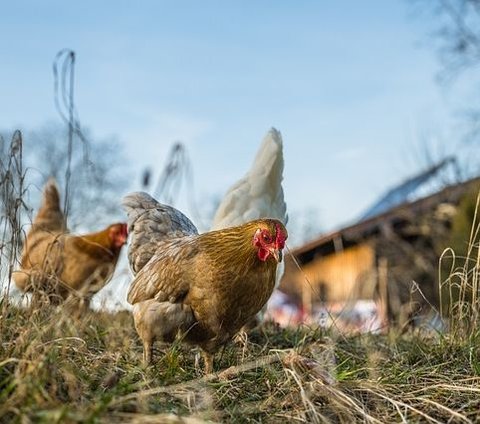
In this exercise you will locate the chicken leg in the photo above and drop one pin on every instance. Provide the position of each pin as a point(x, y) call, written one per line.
point(147, 351)
point(208, 360)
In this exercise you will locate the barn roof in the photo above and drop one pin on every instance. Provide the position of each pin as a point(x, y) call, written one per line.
point(424, 184)
point(370, 226)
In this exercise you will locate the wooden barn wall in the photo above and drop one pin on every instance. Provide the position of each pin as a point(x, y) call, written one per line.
point(346, 275)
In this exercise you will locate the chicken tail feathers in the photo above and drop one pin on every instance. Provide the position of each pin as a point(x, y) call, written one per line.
point(150, 222)
point(259, 194)
point(50, 216)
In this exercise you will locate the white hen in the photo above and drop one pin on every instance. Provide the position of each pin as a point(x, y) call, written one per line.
point(259, 194)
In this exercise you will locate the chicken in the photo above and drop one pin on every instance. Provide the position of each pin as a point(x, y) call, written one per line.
point(60, 264)
point(259, 194)
point(204, 286)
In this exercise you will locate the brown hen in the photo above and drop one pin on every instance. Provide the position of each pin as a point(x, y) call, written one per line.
point(204, 286)
point(63, 265)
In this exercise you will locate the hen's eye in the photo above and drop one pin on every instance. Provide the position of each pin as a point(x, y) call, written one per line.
point(266, 238)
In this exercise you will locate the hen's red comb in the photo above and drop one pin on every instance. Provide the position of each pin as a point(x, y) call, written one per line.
point(280, 237)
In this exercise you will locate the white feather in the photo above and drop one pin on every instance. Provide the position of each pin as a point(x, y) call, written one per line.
point(259, 194)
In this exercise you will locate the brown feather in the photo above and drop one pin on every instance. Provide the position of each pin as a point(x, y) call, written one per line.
point(50, 216)
point(218, 275)
point(60, 264)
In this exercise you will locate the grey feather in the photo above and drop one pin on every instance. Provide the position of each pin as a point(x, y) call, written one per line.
point(149, 223)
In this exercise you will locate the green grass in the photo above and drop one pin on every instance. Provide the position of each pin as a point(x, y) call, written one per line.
point(57, 369)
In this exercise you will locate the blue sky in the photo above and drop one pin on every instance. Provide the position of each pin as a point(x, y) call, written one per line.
point(349, 84)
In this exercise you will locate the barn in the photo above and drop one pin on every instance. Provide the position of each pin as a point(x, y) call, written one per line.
point(389, 256)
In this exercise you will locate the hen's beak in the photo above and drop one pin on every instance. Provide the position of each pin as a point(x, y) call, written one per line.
point(277, 254)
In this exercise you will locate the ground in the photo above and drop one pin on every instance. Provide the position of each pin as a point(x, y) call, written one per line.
point(54, 368)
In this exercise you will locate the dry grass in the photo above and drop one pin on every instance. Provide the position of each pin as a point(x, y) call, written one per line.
point(57, 368)
point(54, 368)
